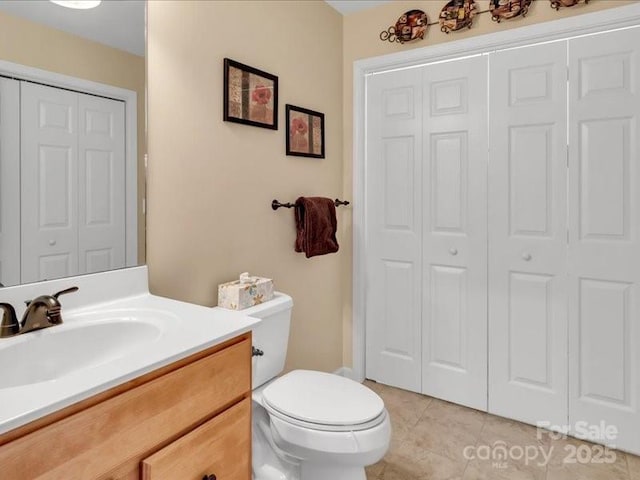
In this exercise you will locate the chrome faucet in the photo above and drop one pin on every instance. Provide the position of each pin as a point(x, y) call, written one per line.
point(42, 312)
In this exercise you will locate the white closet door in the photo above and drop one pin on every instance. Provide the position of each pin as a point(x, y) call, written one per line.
point(454, 208)
point(49, 179)
point(604, 240)
point(527, 234)
point(393, 222)
point(9, 182)
point(101, 184)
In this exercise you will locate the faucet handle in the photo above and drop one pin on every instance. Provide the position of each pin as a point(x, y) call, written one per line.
point(54, 313)
point(65, 291)
point(51, 305)
point(56, 295)
point(9, 325)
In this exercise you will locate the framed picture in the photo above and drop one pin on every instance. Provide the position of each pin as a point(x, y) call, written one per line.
point(250, 95)
point(305, 132)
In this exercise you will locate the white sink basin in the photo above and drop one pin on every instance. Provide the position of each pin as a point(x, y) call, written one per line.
point(86, 340)
point(114, 331)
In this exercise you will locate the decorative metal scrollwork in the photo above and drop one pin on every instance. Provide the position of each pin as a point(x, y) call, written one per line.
point(556, 4)
point(411, 25)
point(457, 14)
point(507, 9)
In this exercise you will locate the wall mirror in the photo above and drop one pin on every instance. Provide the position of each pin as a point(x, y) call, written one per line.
point(72, 138)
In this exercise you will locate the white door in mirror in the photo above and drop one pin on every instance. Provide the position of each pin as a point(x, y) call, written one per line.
point(9, 181)
point(72, 183)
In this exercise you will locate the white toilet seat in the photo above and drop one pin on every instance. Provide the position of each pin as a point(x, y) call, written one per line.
point(303, 442)
point(321, 427)
point(323, 401)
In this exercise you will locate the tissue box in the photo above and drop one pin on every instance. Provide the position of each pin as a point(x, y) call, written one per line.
point(244, 293)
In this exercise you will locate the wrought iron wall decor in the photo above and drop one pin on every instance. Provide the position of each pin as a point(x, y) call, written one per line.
point(566, 3)
point(506, 9)
point(411, 25)
point(458, 14)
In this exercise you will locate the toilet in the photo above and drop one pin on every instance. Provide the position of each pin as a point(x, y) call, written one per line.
point(308, 425)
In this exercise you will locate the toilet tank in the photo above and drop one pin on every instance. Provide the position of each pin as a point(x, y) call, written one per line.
point(271, 336)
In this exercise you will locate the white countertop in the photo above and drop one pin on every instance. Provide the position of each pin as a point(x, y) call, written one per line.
point(193, 328)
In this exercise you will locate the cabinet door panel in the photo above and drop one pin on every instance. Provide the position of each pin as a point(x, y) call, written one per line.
point(222, 447)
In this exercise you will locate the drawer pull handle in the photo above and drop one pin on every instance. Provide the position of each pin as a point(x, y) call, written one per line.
point(209, 477)
point(255, 352)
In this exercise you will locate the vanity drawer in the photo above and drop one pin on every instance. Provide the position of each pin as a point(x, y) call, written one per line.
point(130, 426)
point(222, 447)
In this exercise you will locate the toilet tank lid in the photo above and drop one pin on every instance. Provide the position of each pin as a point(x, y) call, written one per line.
point(280, 302)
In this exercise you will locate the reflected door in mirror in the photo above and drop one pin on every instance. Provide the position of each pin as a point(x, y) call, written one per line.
point(72, 168)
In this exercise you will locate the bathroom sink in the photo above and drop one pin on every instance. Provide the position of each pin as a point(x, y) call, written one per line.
point(89, 340)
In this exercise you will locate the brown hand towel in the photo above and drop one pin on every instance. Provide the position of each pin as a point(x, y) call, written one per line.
point(316, 226)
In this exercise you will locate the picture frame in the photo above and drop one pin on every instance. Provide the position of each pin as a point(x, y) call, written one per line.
point(250, 95)
point(305, 132)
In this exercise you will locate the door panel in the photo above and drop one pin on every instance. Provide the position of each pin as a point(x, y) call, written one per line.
point(604, 346)
point(394, 191)
point(49, 178)
point(447, 346)
point(604, 243)
point(530, 327)
point(454, 241)
point(449, 165)
point(530, 171)
point(9, 181)
point(102, 184)
point(527, 234)
point(604, 183)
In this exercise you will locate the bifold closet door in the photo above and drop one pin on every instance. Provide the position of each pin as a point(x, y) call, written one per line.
point(9, 181)
point(454, 330)
point(72, 183)
point(101, 188)
point(604, 236)
point(49, 182)
point(527, 234)
point(394, 225)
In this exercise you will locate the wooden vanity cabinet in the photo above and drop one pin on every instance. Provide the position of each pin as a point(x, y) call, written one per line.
point(220, 447)
point(185, 420)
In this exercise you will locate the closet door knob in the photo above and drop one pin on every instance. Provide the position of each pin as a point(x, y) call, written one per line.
point(453, 251)
point(526, 257)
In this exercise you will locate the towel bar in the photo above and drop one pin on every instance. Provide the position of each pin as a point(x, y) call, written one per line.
point(275, 204)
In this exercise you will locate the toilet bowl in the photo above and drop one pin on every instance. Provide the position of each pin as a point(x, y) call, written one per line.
point(308, 425)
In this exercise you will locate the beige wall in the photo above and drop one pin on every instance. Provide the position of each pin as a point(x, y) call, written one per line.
point(35, 45)
point(361, 32)
point(211, 182)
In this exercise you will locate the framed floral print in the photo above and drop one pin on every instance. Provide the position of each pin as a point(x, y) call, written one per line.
point(250, 95)
point(305, 132)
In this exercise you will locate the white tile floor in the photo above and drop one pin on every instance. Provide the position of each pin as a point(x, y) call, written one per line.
point(430, 436)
